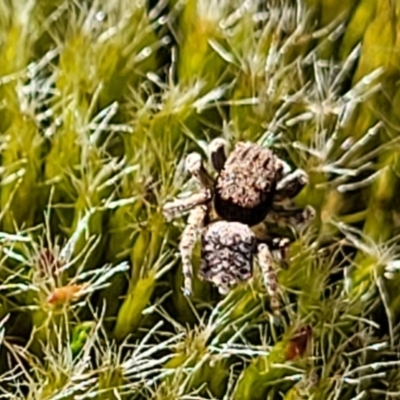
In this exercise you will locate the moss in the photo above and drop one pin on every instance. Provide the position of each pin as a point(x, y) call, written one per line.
point(100, 101)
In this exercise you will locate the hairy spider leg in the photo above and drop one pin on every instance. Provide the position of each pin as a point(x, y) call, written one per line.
point(277, 245)
point(290, 185)
point(281, 246)
point(177, 207)
point(269, 275)
point(195, 224)
point(290, 215)
point(194, 165)
point(287, 188)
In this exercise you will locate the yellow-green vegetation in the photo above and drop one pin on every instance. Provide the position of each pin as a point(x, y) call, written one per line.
point(100, 102)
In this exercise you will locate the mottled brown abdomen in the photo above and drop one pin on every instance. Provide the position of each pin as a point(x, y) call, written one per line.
point(227, 253)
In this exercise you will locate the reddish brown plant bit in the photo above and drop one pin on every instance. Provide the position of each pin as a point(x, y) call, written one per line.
point(66, 293)
point(299, 343)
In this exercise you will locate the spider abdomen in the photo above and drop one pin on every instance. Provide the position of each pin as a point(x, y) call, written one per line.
point(227, 254)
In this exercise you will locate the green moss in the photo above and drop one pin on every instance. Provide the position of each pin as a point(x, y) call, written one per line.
point(100, 101)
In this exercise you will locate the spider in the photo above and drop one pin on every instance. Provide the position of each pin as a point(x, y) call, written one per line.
point(251, 186)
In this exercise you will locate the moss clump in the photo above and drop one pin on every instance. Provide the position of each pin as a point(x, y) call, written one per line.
point(100, 101)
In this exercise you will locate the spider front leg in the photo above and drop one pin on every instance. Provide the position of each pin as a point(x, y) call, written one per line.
point(269, 275)
point(195, 167)
point(288, 187)
point(190, 234)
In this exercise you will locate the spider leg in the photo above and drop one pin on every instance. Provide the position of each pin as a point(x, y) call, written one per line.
point(269, 275)
point(279, 246)
point(194, 165)
point(192, 230)
point(289, 215)
point(177, 207)
point(290, 185)
point(217, 153)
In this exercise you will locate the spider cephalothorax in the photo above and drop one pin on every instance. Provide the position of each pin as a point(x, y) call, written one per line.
point(251, 186)
point(245, 187)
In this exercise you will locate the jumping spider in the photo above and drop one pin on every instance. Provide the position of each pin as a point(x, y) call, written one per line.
point(251, 186)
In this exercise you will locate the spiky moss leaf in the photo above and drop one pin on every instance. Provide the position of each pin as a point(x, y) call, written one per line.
point(140, 253)
point(160, 122)
point(109, 380)
point(121, 230)
point(382, 200)
point(197, 356)
point(379, 218)
point(129, 55)
point(307, 277)
point(361, 17)
point(42, 324)
point(134, 190)
point(15, 40)
point(198, 25)
point(94, 175)
point(324, 202)
point(121, 227)
point(147, 247)
point(333, 19)
point(203, 372)
point(22, 162)
point(330, 10)
point(378, 41)
point(262, 374)
point(197, 369)
point(242, 115)
point(92, 55)
point(333, 13)
point(241, 307)
point(202, 291)
point(394, 278)
point(258, 58)
point(64, 155)
point(378, 226)
point(130, 313)
point(17, 34)
point(145, 255)
point(214, 374)
point(159, 131)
